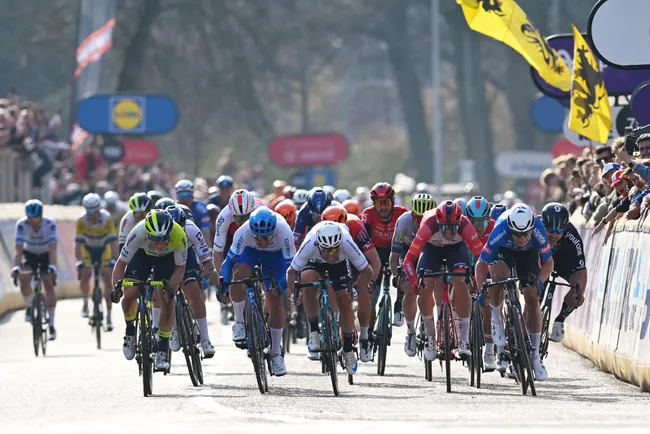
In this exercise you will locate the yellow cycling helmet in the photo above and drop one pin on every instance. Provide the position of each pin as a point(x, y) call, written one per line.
point(421, 203)
point(158, 224)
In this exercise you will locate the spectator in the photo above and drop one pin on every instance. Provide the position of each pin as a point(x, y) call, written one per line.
point(88, 160)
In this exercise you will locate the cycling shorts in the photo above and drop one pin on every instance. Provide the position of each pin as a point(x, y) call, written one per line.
point(568, 259)
point(141, 265)
point(525, 262)
point(456, 255)
point(192, 267)
point(271, 262)
point(335, 271)
point(32, 261)
point(90, 255)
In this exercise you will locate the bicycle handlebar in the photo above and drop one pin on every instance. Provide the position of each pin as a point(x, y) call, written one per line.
point(151, 283)
point(505, 281)
point(322, 282)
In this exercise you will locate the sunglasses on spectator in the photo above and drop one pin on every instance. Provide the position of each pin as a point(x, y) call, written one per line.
point(446, 228)
point(382, 202)
point(159, 238)
point(556, 231)
point(520, 234)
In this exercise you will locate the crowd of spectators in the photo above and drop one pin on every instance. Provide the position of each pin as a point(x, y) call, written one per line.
point(604, 183)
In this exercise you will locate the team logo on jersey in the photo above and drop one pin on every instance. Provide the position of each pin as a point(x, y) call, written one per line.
point(131, 238)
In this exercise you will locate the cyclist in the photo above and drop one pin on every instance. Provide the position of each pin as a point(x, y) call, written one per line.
point(115, 207)
point(352, 207)
point(155, 196)
point(160, 244)
point(569, 258)
point(327, 248)
point(478, 212)
point(36, 242)
point(300, 197)
point(164, 202)
point(199, 260)
point(405, 230)
point(226, 186)
point(139, 204)
point(443, 234)
point(341, 195)
point(213, 211)
point(337, 213)
point(518, 241)
point(380, 221)
point(95, 231)
point(310, 213)
point(288, 210)
point(240, 206)
point(185, 195)
point(463, 204)
point(267, 240)
point(497, 210)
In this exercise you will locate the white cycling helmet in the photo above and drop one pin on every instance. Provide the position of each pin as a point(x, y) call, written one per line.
point(92, 202)
point(300, 197)
point(329, 236)
point(184, 185)
point(521, 218)
point(111, 198)
point(341, 195)
point(241, 202)
point(329, 188)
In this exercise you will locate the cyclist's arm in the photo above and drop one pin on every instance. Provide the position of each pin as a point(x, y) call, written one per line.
point(20, 242)
point(180, 259)
point(79, 239)
point(118, 270)
point(292, 276)
point(410, 261)
point(224, 219)
point(545, 252)
point(52, 253)
point(393, 261)
point(366, 276)
point(112, 239)
point(115, 251)
point(481, 271)
point(18, 257)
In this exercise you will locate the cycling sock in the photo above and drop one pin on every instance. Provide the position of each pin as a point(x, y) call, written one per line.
point(85, 299)
point(488, 338)
point(364, 333)
point(163, 343)
point(50, 313)
point(28, 300)
point(489, 348)
point(276, 341)
point(463, 329)
point(109, 309)
point(313, 325)
point(496, 314)
point(534, 341)
point(398, 301)
point(156, 316)
point(348, 339)
point(203, 328)
point(130, 327)
point(564, 313)
point(428, 325)
point(239, 306)
point(410, 327)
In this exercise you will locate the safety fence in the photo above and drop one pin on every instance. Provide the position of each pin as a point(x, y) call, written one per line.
point(15, 178)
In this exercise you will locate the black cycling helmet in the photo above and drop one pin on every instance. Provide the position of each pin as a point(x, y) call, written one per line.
point(555, 216)
point(164, 202)
point(186, 209)
point(155, 195)
point(177, 213)
point(318, 200)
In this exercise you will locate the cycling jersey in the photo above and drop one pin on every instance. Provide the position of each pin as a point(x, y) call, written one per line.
point(38, 241)
point(405, 230)
point(200, 215)
point(126, 226)
point(196, 240)
point(139, 239)
point(484, 238)
point(118, 213)
point(226, 226)
point(381, 233)
point(95, 234)
point(501, 237)
point(568, 253)
point(359, 234)
point(304, 223)
point(215, 199)
point(309, 251)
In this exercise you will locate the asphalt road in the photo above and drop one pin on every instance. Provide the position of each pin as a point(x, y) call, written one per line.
point(79, 389)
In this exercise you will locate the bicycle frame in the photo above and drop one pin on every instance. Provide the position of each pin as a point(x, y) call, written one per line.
point(384, 324)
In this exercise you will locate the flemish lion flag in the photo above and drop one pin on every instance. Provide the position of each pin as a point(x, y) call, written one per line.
point(506, 22)
point(590, 114)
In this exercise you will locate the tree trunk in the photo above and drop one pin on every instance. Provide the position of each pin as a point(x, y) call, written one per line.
point(408, 83)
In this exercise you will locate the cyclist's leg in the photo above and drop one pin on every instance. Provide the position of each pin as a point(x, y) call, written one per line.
point(579, 277)
point(163, 269)
point(310, 302)
point(137, 269)
point(241, 270)
point(193, 290)
point(106, 272)
point(50, 296)
point(30, 262)
point(499, 270)
point(85, 275)
point(457, 259)
point(346, 317)
point(431, 259)
point(274, 262)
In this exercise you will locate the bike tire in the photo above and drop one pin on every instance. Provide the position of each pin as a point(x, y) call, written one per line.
point(183, 327)
point(526, 367)
point(97, 322)
point(255, 348)
point(145, 344)
point(329, 353)
point(286, 337)
point(43, 324)
point(420, 337)
point(196, 352)
point(476, 341)
point(384, 331)
point(446, 337)
point(36, 324)
point(543, 340)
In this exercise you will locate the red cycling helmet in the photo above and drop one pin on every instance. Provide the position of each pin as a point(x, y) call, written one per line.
point(449, 213)
point(382, 190)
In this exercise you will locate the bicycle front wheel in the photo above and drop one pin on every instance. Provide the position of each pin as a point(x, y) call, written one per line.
point(543, 340)
point(525, 367)
point(384, 330)
point(329, 352)
point(255, 346)
point(196, 342)
point(446, 343)
point(476, 343)
point(145, 342)
point(184, 329)
point(420, 341)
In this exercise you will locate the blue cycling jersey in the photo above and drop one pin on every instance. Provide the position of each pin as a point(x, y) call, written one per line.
point(304, 223)
point(200, 214)
point(501, 237)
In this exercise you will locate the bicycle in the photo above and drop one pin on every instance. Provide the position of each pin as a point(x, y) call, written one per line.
point(40, 317)
point(145, 342)
point(289, 331)
point(420, 339)
point(97, 317)
point(258, 335)
point(330, 338)
point(384, 327)
point(447, 332)
point(519, 344)
point(476, 341)
point(547, 299)
point(189, 337)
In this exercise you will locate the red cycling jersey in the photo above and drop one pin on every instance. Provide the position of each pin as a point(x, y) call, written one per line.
point(359, 233)
point(487, 233)
point(381, 233)
point(429, 232)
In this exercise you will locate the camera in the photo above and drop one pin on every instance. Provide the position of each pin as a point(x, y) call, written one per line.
point(631, 137)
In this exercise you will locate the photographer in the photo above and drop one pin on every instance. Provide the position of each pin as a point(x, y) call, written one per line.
point(625, 154)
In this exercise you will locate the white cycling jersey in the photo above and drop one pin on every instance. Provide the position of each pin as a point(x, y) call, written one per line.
point(195, 238)
point(38, 241)
point(139, 239)
point(224, 220)
point(282, 240)
point(126, 226)
point(309, 250)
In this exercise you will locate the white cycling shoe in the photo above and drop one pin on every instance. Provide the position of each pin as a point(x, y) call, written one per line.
point(502, 363)
point(430, 350)
point(161, 361)
point(540, 370)
point(174, 342)
point(489, 361)
point(277, 365)
point(129, 347)
point(238, 332)
point(208, 349)
point(398, 319)
point(350, 359)
point(409, 345)
point(557, 335)
point(313, 346)
point(463, 351)
point(365, 353)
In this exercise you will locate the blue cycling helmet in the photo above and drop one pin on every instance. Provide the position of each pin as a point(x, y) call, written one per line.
point(497, 210)
point(478, 208)
point(177, 213)
point(463, 204)
point(262, 222)
point(225, 181)
point(34, 208)
point(318, 200)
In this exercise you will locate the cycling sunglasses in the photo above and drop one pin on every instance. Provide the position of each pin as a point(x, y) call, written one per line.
point(159, 238)
point(185, 195)
point(260, 239)
point(520, 234)
point(445, 228)
point(480, 222)
point(557, 231)
point(332, 251)
point(382, 202)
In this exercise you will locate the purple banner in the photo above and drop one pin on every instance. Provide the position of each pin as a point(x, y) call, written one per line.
point(617, 81)
point(641, 103)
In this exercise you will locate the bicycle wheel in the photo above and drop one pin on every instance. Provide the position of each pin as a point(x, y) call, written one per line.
point(543, 340)
point(329, 351)
point(523, 354)
point(97, 316)
point(183, 327)
point(145, 344)
point(421, 337)
point(254, 325)
point(384, 320)
point(446, 343)
point(476, 343)
point(36, 323)
point(43, 323)
point(196, 352)
point(286, 337)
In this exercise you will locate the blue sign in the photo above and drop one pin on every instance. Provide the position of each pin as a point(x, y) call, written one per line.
point(314, 177)
point(547, 113)
point(127, 114)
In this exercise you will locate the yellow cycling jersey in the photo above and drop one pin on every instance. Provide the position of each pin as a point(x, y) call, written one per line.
point(95, 234)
